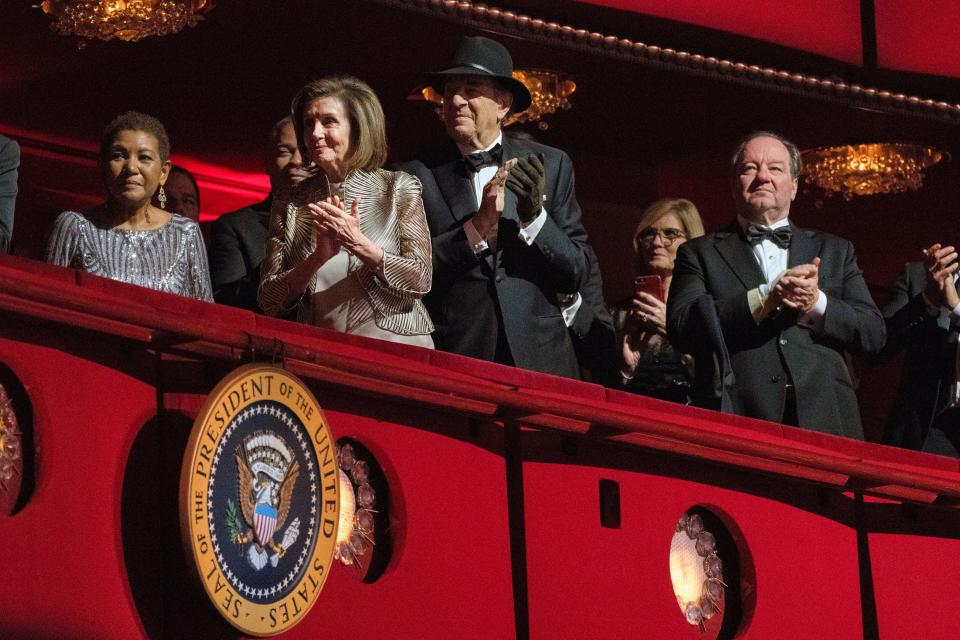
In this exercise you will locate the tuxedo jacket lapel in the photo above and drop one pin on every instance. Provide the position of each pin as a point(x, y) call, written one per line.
point(803, 248)
point(457, 189)
point(456, 185)
point(738, 255)
point(510, 150)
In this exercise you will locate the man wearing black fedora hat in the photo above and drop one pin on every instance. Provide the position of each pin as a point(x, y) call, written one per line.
point(507, 235)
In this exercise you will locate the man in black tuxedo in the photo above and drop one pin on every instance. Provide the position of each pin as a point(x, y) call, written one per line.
point(923, 319)
point(240, 237)
point(791, 302)
point(9, 162)
point(504, 250)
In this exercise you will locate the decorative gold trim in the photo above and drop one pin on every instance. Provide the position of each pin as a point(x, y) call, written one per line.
point(356, 541)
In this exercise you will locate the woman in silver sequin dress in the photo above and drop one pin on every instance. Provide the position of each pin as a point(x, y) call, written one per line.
point(126, 238)
point(349, 248)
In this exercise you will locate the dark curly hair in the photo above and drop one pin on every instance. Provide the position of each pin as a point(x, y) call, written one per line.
point(135, 121)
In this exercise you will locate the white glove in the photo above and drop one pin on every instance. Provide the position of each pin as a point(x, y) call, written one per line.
point(258, 559)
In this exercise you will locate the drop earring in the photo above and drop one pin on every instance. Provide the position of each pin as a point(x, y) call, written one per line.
point(162, 198)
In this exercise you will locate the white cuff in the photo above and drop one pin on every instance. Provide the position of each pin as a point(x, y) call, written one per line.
point(529, 233)
point(955, 312)
point(813, 319)
point(477, 242)
point(570, 312)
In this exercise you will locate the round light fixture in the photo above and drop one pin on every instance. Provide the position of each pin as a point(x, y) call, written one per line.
point(362, 540)
point(696, 570)
point(10, 449)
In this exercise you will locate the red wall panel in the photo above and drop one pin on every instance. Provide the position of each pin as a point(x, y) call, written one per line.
point(616, 582)
point(64, 549)
point(449, 576)
point(920, 35)
point(913, 577)
point(826, 27)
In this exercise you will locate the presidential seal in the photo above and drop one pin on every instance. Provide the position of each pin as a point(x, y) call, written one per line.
point(259, 502)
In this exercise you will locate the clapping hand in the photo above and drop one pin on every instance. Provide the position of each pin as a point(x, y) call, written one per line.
point(338, 224)
point(492, 200)
point(941, 264)
point(798, 287)
point(344, 228)
point(327, 244)
point(528, 180)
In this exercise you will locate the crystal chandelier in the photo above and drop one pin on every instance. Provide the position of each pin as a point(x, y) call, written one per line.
point(549, 91)
point(868, 169)
point(127, 20)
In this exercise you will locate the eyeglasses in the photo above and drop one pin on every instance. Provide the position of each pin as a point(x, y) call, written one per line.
point(669, 236)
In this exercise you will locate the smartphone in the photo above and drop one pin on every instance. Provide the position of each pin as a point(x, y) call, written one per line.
point(648, 284)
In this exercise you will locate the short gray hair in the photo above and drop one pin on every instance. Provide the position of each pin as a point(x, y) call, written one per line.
point(796, 163)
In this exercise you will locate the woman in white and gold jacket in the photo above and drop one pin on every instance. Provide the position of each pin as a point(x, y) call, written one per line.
point(349, 247)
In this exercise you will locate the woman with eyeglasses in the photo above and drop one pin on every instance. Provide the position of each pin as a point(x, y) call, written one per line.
point(649, 365)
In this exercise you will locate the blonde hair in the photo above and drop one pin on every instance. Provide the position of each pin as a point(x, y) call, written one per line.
point(681, 207)
point(368, 134)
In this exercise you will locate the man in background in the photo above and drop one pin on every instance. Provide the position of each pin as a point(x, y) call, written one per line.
point(923, 321)
point(240, 237)
point(9, 162)
point(183, 194)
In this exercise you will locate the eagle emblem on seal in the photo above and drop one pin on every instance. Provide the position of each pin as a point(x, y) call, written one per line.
point(266, 477)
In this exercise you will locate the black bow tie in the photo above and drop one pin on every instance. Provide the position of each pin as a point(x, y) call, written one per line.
point(780, 236)
point(474, 161)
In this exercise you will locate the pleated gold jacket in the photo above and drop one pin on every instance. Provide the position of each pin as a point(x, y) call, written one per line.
point(391, 216)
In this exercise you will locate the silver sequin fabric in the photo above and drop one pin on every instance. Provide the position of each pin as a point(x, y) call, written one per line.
point(171, 259)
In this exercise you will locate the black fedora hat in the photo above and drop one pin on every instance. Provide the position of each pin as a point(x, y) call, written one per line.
point(479, 56)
